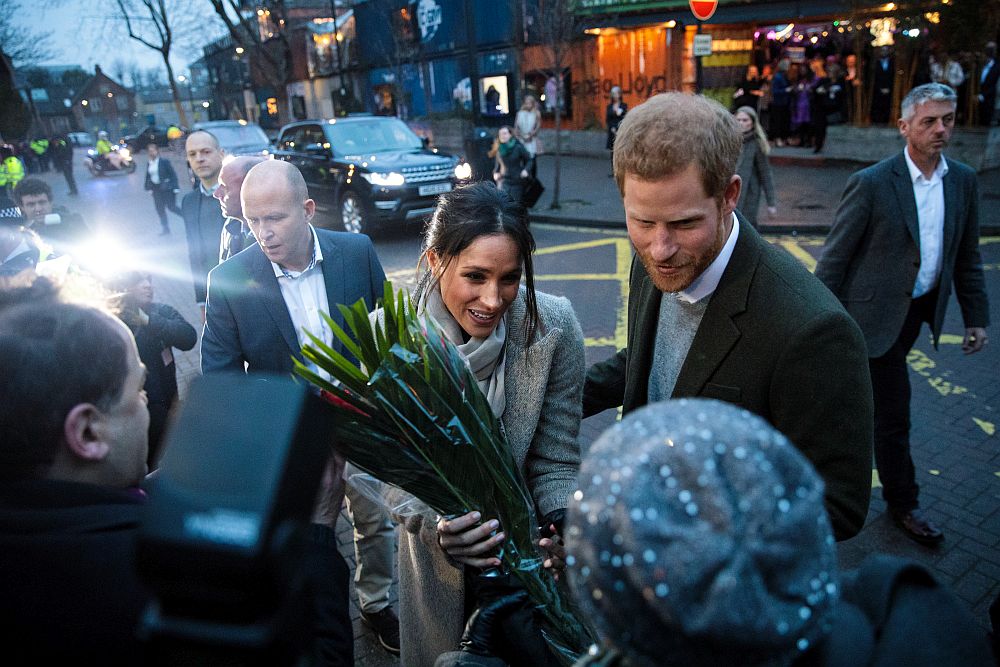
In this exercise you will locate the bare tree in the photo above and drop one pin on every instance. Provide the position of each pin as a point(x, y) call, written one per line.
point(23, 46)
point(265, 33)
point(155, 24)
point(401, 53)
point(554, 24)
point(134, 74)
point(118, 70)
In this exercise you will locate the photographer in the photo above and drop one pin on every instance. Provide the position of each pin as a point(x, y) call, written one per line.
point(73, 450)
point(73, 424)
point(158, 328)
point(55, 225)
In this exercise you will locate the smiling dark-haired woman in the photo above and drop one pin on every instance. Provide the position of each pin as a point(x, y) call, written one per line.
point(526, 351)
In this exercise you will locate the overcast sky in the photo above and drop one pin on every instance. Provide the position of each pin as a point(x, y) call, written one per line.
point(83, 35)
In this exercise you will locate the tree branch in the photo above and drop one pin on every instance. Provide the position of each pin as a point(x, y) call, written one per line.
point(131, 33)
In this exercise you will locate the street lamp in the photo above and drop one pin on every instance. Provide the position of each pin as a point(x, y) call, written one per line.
point(184, 80)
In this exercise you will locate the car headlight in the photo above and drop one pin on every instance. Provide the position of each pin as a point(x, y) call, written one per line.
point(377, 178)
point(463, 170)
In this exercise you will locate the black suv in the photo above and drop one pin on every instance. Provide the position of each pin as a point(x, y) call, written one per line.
point(366, 171)
point(151, 134)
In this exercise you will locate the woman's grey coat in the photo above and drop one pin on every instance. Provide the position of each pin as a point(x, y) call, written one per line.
point(755, 171)
point(544, 389)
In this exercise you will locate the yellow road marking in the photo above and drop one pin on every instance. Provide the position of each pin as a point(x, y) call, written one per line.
point(934, 472)
point(799, 253)
point(623, 263)
point(876, 482)
point(604, 341)
point(578, 276)
point(988, 427)
point(580, 245)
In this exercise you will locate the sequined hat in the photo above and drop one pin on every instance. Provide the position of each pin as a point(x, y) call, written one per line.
point(698, 536)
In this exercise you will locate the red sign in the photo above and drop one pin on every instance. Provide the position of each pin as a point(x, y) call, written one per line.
point(703, 9)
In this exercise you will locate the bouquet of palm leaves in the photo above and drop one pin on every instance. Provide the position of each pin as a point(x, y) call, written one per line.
point(415, 418)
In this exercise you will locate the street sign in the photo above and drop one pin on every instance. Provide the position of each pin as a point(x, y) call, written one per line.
point(702, 45)
point(703, 9)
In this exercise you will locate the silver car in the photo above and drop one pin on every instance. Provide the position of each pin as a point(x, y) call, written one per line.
point(238, 137)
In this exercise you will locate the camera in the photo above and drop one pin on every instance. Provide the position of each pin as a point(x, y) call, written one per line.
point(224, 538)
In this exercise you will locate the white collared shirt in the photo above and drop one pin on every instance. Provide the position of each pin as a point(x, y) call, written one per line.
point(929, 194)
point(208, 192)
point(705, 284)
point(304, 293)
point(154, 171)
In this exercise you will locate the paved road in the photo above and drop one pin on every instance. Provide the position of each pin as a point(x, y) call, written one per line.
point(955, 398)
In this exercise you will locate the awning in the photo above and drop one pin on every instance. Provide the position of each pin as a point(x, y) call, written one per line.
point(741, 11)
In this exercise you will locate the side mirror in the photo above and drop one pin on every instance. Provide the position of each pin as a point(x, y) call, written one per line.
point(425, 141)
point(317, 149)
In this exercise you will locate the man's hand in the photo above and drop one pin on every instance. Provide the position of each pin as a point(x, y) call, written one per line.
point(975, 339)
point(772, 212)
point(468, 542)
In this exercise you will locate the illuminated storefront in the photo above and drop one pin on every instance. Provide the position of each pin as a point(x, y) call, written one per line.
point(646, 47)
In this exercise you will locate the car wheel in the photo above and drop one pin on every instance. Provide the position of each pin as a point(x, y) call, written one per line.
point(131, 167)
point(353, 213)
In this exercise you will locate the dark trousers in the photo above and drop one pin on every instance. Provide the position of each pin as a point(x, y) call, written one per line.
point(780, 119)
point(891, 389)
point(67, 172)
point(514, 188)
point(163, 200)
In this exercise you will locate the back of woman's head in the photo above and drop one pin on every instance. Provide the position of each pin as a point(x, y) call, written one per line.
point(471, 212)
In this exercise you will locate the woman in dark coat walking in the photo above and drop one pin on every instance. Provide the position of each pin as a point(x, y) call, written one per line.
point(753, 167)
point(512, 163)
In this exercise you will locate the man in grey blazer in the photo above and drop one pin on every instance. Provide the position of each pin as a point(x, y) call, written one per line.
point(260, 303)
point(716, 311)
point(906, 230)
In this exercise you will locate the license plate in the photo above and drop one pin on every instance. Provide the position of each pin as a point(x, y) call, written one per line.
point(434, 189)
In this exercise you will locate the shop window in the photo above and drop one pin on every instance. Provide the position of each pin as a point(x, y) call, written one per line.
point(298, 107)
point(494, 96)
point(385, 100)
point(544, 88)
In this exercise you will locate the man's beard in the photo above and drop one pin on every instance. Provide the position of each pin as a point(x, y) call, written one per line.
point(690, 266)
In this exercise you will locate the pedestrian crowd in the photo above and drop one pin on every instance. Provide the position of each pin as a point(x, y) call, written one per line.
point(701, 529)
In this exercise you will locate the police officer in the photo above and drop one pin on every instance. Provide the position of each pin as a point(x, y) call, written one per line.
point(103, 147)
point(11, 168)
point(40, 146)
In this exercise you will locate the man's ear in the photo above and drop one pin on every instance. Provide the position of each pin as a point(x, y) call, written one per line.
point(731, 195)
point(83, 430)
point(310, 208)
